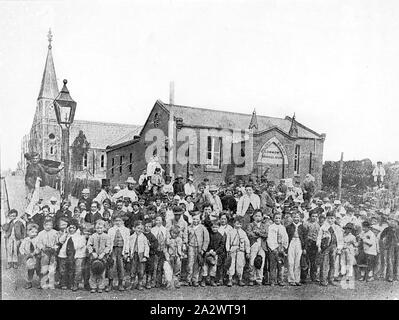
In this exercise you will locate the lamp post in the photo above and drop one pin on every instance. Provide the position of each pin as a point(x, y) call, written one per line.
point(64, 107)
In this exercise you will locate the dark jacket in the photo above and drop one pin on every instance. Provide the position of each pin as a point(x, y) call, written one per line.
point(301, 233)
point(254, 232)
point(389, 238)
point(152, 242)
point(178, 187)
point(216, 242)
point(19, 229)
point(92, 218)
point(229, 203)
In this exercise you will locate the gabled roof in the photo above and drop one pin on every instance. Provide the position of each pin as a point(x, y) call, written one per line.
point(127, 137)
point(101, 134)
point(232, 120)
point(48, 87)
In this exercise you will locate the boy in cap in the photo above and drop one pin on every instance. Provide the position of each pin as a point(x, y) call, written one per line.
point(47, 243)
point(138, 251)
point(120, 238)
point(153, 244)
point(329, 243)
point(389, 239)
point(296, 247)
point(53, 206)
point(178, 185)
point(71, 256)
point(348, 255)
point(85, 197)
point(160, 233)
point(174, 252)
point(189, 188)
point(238, 248)
point(369, 241)
point(14, 232)
point(214, 251)
point(168, 186)
point(312, 230)
point(197, 242)
point(257, 234)
point(28, 249)
point(277, 241)
point(99, 247)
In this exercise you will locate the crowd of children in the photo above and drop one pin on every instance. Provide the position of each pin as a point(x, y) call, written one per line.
point(162, 234)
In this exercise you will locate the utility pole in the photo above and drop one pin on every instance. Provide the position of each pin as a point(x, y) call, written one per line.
point(341, 164)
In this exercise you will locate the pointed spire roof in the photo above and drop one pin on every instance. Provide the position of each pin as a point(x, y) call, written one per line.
point(293, 129)
point(49, 87)
point(253, 124)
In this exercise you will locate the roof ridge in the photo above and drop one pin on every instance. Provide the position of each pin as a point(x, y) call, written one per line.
point(109, 123)
point(217, 110)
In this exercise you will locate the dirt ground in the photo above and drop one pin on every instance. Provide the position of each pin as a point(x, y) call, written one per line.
point(13, 282)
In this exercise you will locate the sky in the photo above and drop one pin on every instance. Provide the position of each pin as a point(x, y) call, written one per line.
point(335, 64)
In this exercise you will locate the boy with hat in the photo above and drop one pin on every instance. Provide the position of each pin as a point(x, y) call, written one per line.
point(71, 256)
point(85, 197)
point(348, 255)
point(99, 247)
point(389, 240)
point(28, 249)
point(189, 188)
point(312, 227)
point(120, 238)
point(138, 251)
point(47, 243)
point(178, 185)
point(369, 242)
point(214, 199)
point(257, 234)
point(238, 248)
point(296, 247)
point(277, 241)
point(105, 191)
point(14, 232)
point(174, 252)
point(214, 251)
point(160, 233)
point(197, 242)
point(128, 191)
point(64, 212)
point(53, 206)
point(153, 244)
point(329, 243)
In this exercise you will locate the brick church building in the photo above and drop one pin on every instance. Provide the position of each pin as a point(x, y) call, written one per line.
point(45, 134)
point(280, 148)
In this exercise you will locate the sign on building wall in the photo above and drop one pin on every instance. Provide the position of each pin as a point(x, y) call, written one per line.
point(273, 152)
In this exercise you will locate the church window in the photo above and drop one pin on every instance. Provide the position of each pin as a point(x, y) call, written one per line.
point(112, 166)
point(102, 161)
point(53, 150)
point(156, 120)
point(85, 160)
point(214, 152)
point(296, 159)
point(120, 164)
point(130, 162)
point(310, 162)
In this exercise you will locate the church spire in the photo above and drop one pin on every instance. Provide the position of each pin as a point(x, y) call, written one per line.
point(294, 129)
point(49, 87)
point(253, 124)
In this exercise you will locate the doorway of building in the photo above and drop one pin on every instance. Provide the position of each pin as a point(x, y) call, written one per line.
point(271, 161)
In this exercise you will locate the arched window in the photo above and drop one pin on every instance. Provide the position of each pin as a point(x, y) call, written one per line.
point(85, 160)
point(102, 160)
point(296, 159)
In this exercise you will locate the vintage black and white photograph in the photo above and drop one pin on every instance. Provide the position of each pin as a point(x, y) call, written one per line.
point(199, 150)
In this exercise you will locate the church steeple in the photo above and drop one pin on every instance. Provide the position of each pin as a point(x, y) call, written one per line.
point(253, 124)
point(49, 86)
point(294, 129)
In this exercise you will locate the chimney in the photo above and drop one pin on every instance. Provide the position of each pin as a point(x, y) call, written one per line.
point(172, 93)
